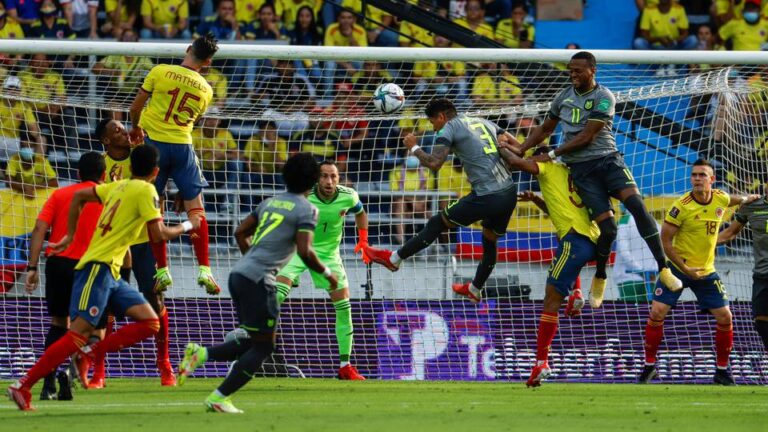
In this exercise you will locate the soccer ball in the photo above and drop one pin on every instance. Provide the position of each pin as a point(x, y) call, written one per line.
point(388, 98)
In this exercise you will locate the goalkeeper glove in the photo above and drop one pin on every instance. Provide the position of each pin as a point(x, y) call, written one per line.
point(362, 243)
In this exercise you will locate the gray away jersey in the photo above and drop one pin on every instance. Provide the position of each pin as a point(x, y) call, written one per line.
point(474, 141)
point(574, 111)
point(274, 241)
point(756, 215)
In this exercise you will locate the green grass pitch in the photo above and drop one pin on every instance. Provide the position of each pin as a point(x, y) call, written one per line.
point(320, 405)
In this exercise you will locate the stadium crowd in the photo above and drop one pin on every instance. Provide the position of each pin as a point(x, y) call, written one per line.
point(294, 94)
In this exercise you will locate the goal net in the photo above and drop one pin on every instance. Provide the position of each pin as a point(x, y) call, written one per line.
point(272, 101)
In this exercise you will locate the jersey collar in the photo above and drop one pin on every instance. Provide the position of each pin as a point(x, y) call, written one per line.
point(319, 197)
point(711, 197)
point(586, 93)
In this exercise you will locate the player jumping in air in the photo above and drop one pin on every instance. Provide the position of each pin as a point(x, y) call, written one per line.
point(492, 200)
point(179, 96)
point(689, 236)
point(280, 226)
point(577, 236)
point(114, 137)
point(333, 203)
point(585, 111)
point(130, 207)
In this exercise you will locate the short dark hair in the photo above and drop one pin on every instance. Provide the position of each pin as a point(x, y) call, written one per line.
point(440, 105)
point(205, 47)
point(542, 150)
point(330, 162)
point(300, 172)
point(480, 2)
point(585, 55)
point(144, 159)
point(91, 166)
point(101, 129)
point(267, 5)
point(704, 162)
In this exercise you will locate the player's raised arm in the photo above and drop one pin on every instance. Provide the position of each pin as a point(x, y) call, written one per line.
point(530, 196)
point(582, 139)
point(307, 254)
point(742, 199)
point(506, 151)
point(159, 231)
point(540, 133)
point(361, 221)
point(727, 235)
point(136, 133)
point(433, 160)
point(244, 232)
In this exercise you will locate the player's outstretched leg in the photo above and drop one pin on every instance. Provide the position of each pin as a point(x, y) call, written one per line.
point(97, 381)
point(474, 290)
point(425, 237)
point(344, 338)
point(654, 333)
point(723, 345)
point(167, 378)
point(575, 300)
point(199, 238)
point(196, 355)
point(55, 332)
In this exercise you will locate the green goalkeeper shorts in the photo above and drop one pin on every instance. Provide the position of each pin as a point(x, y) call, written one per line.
point(296, 267)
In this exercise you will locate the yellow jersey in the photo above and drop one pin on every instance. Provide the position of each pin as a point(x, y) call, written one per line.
point(36, 174)
point(484, 29)
point(722, 6)
point(111, 5)
point(431, 69)
point(133, 70)
point(11, 117)
point(566, 211)
point(489, 88)
point(667, 24)
point(450, 179)
point(256, 152)
point(333, 36)
point(506, 35)
point(179, 97)
point(117, 169)
point(49, 88)
point(128, 206)
point(247, 11)
point(11, 30)
point(411, 180)
point(218, 83)
point(213, 150)
point(288, 9)
point(698, 225)
point(165, 11)
point(410, 31)
point(745, 37)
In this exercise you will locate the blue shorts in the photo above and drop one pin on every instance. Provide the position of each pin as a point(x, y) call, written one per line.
point(709, 291)
point(95, 288)
point(573, 253)
point(144, 268)
point(180, 162)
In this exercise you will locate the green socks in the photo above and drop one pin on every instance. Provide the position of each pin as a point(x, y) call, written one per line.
point(282, 292)
point(344, 330)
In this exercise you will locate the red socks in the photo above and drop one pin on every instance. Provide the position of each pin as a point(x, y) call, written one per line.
point(55, 355)
point(160, 252)
point(547, 331)
point(654, 333)
point(199, 238)
point(161, 338)
point(723, 344)
point(126, 336)
point(99, 367)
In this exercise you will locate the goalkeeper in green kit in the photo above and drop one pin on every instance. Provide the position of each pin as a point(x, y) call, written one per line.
point(334, 202)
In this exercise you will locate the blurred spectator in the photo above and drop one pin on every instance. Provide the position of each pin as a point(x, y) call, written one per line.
point(247, 11)
point(409, 177)
point(664, 27)
point(121, 16)
point(371, 76)
point(266, 28)
point(305, 32)
point(746, 32)
point(475, 19)
point(125, 73)
point(43, 84)
point(515, 32)
point(165, 19)
point(494, 85)
point(219, 84)
point(440, 79)
point(15, 117)
point(24, 12)
point(9, 28)
point(264, 156)
point(50, 25)
point(345, 32)
point(378, 25)
point(726, 10)
point(316, 139)
point(81, 16)
point(353, 129)
point(223, 24)
point(288, 11)
point(285, 89)
point(414, 36)
point(29, 170)
point(218, 152)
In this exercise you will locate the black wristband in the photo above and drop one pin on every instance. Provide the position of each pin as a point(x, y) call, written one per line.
point(31, 267)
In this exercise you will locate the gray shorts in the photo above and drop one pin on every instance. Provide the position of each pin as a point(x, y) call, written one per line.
point(596, 180)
